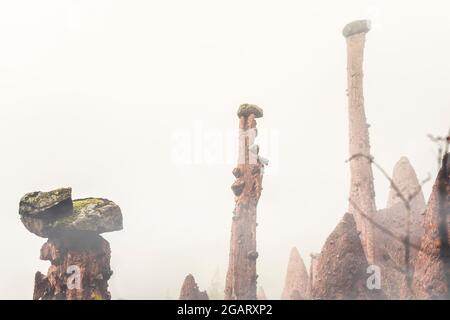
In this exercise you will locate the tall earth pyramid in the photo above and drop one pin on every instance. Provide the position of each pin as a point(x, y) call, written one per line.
point(190, 290)
point(432, 265)
point(361, 182)
point(241, 276)
point(342, 266)
point(296, 285)
point(396, 264)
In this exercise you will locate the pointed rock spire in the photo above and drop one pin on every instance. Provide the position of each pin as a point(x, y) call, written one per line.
point(297, 280)
point(405, 178)
point(261, 294)
point(389, 237)
point(432, 265)
point(342, 265)
point(190, 290)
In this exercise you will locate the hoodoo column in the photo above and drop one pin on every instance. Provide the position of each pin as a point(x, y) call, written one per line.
point(79, 256)
point(241, 276)
point(362, 188)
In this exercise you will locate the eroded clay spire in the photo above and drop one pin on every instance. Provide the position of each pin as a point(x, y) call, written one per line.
point(241, 276)
point(190, 290)
point(341, 271)
point(390, 237)
point(432, 265)
point(361, 188)
point(405, 178)
point(297, 280)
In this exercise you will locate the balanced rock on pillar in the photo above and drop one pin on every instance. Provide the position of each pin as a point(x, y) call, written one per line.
point(247, 109)
point(79, 256)
point(241, 281)
point(51, 213)
point(361, 176)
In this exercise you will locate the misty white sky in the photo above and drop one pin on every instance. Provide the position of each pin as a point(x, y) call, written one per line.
point(96, 95)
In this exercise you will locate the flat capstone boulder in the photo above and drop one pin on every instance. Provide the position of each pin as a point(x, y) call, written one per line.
point(53, 213)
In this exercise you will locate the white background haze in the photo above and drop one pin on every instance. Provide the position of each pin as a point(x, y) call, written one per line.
point(92, 93)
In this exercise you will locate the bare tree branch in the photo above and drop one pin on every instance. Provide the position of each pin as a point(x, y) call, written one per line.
point(379, 226)
point(406, 202)
point(443, 146)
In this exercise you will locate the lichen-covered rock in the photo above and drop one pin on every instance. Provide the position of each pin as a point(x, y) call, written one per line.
point(355, 27)
point(190, 290)
point(79, 256)
point(342, 266)
point(432, 265)
point(297, 280)
point(40, 227)
point(93, 214)
point(247, 109)
point(37, 204)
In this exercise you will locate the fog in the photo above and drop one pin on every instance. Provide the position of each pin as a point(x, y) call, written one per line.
point(136, 101)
